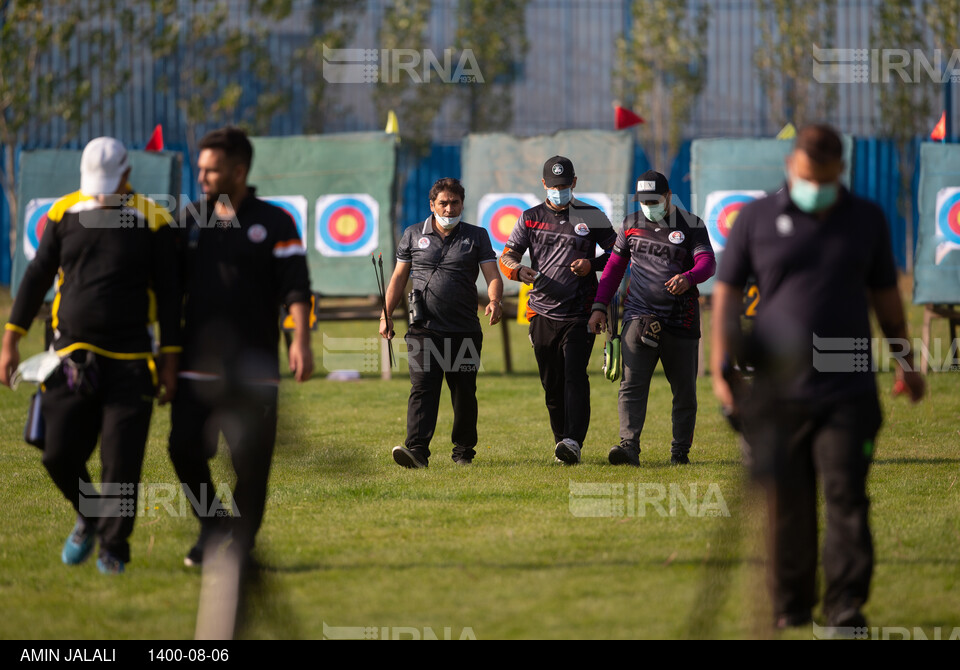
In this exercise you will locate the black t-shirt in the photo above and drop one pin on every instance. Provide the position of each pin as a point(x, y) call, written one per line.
point(812, 329)
point(658, 251)
point(237, 275)
point(118, 274)
point(448, 268)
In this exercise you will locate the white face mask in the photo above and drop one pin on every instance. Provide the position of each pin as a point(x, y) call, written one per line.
point(447, 222)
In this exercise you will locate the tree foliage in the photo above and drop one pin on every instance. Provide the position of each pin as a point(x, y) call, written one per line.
point(662, 70)
point(904, 108)
point(42, 76)
point(784, 62)
point(494, 31)
point(416, 103)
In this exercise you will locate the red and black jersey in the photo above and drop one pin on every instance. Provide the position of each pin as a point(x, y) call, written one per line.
point(237, 275)
point(555, 239)
point(657, 251)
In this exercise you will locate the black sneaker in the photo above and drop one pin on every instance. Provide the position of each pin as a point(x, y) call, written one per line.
point(210, 533)
point(567, 451)
point(848, 618)
point(194, 557)
point(792, 620)
point(683, 459)
point(624, 454)
point(463, 455)
point(408, 459)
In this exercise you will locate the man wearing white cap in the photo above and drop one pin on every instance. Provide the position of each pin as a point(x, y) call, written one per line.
point(112, 252)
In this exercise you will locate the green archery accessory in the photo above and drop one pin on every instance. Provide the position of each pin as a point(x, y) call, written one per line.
point(612, 362)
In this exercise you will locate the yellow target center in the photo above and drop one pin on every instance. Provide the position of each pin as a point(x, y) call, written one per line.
point(505, 224)
point(346, 225)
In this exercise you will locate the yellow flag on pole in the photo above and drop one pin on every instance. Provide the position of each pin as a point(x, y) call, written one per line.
point(788, 132)
point(393, 126)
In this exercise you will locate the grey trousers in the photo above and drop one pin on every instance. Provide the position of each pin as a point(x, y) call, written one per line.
point(679, 356)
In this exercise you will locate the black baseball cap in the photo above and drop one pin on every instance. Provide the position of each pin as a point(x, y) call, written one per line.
point(651, 185)
point(558, 171)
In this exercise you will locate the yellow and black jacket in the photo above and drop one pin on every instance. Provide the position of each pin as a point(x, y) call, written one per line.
point(116, 274)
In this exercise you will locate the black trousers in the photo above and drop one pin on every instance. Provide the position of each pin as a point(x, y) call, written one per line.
point(679, 358)
point(433, 357)
point(246, 414)
point(563, 349)
point(118, 411)
point(792, 445)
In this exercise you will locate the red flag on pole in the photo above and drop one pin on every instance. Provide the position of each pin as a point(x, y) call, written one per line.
point(156, 139)
point(624, 118)
point(940, 130)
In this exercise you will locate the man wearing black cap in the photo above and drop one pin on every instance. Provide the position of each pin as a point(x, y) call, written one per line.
point(669, 253)
point(561, 235)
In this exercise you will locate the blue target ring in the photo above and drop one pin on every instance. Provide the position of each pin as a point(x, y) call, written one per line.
point(723, 213)
point(35, 224)
point(294, 213)
point(948, 218)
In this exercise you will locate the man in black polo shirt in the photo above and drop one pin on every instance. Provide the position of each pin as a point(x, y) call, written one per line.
point(242, 259)
point(561, 235)
point(669, 254)
point(443, 256)
point(820, 256)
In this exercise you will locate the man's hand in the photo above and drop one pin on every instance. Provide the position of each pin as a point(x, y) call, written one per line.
point(677, 285)
point(386, 328)
point(9, 356)
point(494, 311)
point(167, 368)
point(526, 275)
point(910, 382)
point(301, 360)
point(597, 322)
point(581, 267)
point(724, 394)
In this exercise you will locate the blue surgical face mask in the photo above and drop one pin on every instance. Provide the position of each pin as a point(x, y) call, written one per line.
point(559, 197)
point(812, 197)
point(654, 212)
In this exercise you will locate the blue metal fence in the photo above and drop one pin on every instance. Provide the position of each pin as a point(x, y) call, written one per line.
point(566, 80)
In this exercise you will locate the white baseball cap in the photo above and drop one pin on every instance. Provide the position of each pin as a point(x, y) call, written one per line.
point(102, 165)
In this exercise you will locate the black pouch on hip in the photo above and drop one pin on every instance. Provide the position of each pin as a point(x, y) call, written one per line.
point(82, 372)
point(650, 331)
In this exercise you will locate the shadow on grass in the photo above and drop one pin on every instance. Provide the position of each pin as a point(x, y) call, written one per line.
point(726, 563)
point(916, 461)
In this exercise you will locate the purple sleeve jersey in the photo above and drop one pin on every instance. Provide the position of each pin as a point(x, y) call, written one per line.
point(657, 252)
point(555, 239)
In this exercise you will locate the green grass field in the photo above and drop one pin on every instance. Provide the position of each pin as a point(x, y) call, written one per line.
point(493, 550)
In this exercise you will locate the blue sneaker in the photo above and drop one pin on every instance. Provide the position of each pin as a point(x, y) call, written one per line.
point(79, 544)
point(109, 564)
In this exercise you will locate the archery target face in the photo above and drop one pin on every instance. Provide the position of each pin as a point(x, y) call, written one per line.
point(35, 222)
point(722, 209)
point(347, 224)
point(296, 207)
point(497, 213)
point(948, 214)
